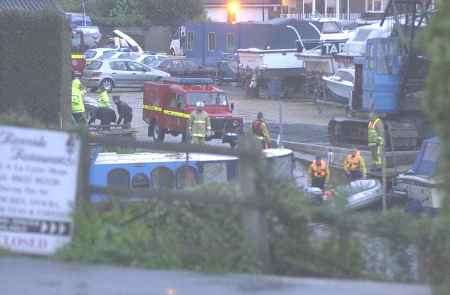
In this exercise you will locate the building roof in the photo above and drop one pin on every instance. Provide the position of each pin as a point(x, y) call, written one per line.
point(29, 5)
point(244, 2)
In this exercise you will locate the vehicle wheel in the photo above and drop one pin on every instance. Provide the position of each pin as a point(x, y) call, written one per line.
point(172, 52)
point(233, 144)
point(150, 130)
point(108, 84)
point(158, 133)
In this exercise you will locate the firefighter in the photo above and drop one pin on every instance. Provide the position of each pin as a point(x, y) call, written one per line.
point(78, 101)
point(355, 166)
point(199, 124)
point(319, 172)
point(124, 110)
point(260, 130)
point(375, 139)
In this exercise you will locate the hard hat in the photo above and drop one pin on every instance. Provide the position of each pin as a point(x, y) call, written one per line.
point(200, 104)
point(260, 115)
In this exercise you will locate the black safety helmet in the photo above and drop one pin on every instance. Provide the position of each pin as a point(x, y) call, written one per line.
point(259, 116)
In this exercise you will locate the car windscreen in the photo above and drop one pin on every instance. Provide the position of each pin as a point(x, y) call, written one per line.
point(90, 54)
point(209, 98)
point(150, 61)
point(129, 55)
point(95, 65)
point(108, 54)
point(330, 28)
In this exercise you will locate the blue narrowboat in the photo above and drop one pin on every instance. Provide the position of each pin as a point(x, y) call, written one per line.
point(209, 42)
point(154, 170)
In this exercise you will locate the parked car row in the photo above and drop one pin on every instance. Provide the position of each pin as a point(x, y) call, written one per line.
point(122, 68)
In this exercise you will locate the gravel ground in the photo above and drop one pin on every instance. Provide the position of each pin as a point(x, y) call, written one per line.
point(302, 121)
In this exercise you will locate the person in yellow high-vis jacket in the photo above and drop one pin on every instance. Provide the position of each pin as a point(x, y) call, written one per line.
point(199, 125)
point(261, 131)
point(103, 98)
point(375, 139)
point(104, 111)
point(78, 101)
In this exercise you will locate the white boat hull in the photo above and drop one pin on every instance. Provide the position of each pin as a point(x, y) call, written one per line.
point(340, 91)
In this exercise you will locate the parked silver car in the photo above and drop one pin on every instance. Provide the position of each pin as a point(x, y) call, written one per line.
point(119, 73)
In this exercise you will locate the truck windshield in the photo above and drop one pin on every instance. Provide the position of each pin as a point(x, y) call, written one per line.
point(209, 98)
point(330, 28)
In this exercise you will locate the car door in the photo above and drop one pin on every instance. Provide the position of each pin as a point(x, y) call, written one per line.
point(171, 112)
point(119, 73)
point(189, 69)
point(178, 68)
point(167, 66)
point(137, 73)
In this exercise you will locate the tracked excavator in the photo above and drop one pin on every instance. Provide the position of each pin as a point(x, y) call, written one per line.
point(389, 82)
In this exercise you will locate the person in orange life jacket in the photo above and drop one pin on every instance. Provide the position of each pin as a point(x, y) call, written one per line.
point(260, 130)
point(355, 166)
point(319, 172)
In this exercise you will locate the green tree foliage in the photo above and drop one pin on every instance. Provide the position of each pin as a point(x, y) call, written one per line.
point(137, 12)
point(169, 12)
point(158, 235)
point(35, 66)
point(71, 5)
point(437, 104)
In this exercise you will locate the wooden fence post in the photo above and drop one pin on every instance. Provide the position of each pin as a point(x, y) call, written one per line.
point(253, 217)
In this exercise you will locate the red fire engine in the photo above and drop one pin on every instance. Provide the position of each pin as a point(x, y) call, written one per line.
point(168, 104)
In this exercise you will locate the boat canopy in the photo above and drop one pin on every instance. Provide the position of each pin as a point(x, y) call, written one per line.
point(427, 160)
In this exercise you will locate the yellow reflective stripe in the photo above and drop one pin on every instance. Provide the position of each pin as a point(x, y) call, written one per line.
point(177, 114)
point(200, 122)
point(198, 135)
point(150, 107)
point(77, 56)
point(374, 123)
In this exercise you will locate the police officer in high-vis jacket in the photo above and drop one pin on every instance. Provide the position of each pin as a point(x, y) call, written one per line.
point(199, 125)
point(104, 112)
point(78, 101)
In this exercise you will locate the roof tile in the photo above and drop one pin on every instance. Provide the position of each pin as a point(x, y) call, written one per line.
point(31, 5)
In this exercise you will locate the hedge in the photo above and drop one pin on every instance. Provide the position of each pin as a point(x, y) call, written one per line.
point(35, 71)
